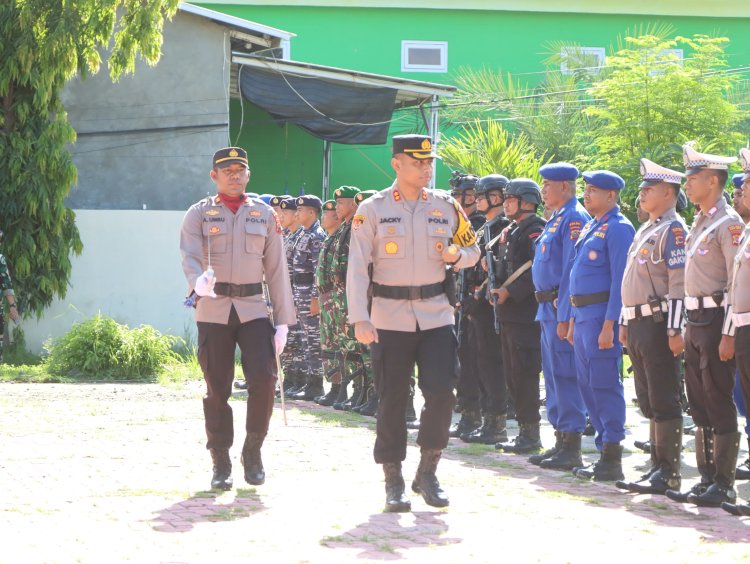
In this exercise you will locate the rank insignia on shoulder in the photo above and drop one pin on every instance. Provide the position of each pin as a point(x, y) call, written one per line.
point(357, 221)
point(212, 212)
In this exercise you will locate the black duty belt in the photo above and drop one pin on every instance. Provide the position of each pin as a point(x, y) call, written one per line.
point(238, 290)
point(303, 278)
point(544, 297)
point(408, 292)
point(589, 299)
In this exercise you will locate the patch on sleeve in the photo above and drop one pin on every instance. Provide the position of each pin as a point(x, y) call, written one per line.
point(535, 234)
point(678, 235)
point(465, 235)
point(574, 228)
point(357, 221)
point(736, 232)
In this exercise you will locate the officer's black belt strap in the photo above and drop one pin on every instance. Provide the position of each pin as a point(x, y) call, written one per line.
point(408, 292)
point(238, 290)
point(589, 299)
point(304, 278)
point(544, 297)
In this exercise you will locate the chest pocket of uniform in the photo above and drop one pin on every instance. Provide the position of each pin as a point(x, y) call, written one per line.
point(438, 237)
point(595, 251)
point(391, 241)
point(255, 238)
point(215, 235)
point(543, 249)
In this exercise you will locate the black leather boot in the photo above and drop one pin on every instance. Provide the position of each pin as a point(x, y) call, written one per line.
point(609, 466)
point(470, 420)
point(743, 469)
point(726, 447)
point(343, 396)
point(222, 478)
point(536, 459)
point(526, 442)
point(645, 446)
point(492, 431)
point(328, 399)
point(426, 482)
point(370, 407)
point(312, 388)
point(665, 461)
point(292, 384)
point(395, 496)
point(354, 399)
point(704, 457)
point(251, 460)
point(568, 457)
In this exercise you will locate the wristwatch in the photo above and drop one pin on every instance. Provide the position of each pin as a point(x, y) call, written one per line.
point(673, 332)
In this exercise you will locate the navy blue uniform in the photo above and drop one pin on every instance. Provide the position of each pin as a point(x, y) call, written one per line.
point(553, 258)
point(599, 263)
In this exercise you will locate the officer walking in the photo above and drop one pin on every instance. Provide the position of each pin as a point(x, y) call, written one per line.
point(553, 258)
point(305, 254)
point(409, 233)
point(653, 290)
point(516, 310)
point(6, 285)
point(329, 354)
point(485, 327)
point(709, 338)
point(229, 245)
point(595, 282)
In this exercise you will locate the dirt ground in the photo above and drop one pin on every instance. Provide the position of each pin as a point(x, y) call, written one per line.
point(119, 472)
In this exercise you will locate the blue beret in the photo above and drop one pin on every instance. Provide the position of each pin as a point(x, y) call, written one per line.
point(310, 201)
point(559, 172)
point(604, 179)
point(737, 180)
point(266, 198)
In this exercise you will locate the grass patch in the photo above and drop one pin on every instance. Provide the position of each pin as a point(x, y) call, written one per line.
point(246, 493)
point(569, 496)
point(333, 418)
point(474, 450)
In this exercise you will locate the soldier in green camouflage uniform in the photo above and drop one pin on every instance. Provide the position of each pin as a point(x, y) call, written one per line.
point(329, 352)
point(7, 288)
point(357, 363)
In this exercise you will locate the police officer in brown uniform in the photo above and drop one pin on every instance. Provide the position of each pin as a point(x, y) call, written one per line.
point(653, 289)
point(408, 234)
point(709, 343)
point(230, 244)
point(740, 300)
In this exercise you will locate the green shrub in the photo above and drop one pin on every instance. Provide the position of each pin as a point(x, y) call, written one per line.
point(104, 349)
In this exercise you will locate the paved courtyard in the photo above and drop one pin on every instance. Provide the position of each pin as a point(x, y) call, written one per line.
point(119, 472)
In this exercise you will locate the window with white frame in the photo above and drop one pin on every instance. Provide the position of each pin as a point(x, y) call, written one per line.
point(583, 59)
point(424, 56)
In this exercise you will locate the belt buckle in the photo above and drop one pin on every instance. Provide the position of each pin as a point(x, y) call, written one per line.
point(415, 293)
point(235, 291)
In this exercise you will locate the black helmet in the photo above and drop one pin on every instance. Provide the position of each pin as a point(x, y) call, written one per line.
point(525, 189)
point(465, 182)
point(492, 182)
point(455, 178)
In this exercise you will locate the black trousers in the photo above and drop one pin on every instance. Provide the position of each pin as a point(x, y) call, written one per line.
point(468, 388)
point(742, 358)
point(490, 362)
point(656, 369)
point(708, 380)
point(393, 360)
point(522, 360)
point(216, 345)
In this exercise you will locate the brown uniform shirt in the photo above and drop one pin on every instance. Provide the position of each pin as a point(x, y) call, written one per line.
point(246, 248)
point(656, 262)
point(739, 294)
point(710, 248)
point(405, 241)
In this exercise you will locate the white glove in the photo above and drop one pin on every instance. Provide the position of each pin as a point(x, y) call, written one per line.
point(204, 285)
point(279, 338)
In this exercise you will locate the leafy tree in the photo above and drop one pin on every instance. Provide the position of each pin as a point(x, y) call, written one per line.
point(653, 102)
point(483, 148)
point(43, 44)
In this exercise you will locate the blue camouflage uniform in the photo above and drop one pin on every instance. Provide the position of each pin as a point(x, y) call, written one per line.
point(598, 267)
point(555, 249)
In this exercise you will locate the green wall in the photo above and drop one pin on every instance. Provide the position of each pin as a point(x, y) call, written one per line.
point(369, 39)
